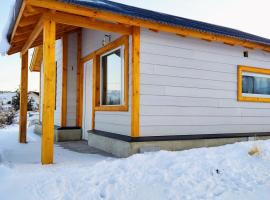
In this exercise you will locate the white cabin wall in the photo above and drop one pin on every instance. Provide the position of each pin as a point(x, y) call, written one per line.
point(189, 86)
point(115, 122)
point(71, 80)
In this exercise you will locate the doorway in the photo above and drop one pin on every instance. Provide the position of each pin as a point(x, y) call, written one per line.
point(87, 98)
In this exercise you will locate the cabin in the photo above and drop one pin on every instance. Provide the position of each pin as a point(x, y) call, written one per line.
point(130, 80)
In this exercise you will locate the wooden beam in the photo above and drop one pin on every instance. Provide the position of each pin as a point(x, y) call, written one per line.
point(34, 34)
point(36, 60)
point(86, 22)
point(31, 20)
point(23, 98)
point(135, 101)
point(79, 97)
point(64, 81)
point(110, 16)
point(49, 73)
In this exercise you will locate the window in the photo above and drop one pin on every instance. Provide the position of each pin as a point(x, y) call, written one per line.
point(111, 76)
point(253, 84)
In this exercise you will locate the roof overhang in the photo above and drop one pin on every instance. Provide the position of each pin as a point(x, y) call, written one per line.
point(27, 30)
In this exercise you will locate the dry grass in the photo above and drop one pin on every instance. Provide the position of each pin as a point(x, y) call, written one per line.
point(254, 151)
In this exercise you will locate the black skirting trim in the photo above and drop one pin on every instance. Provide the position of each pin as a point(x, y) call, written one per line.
point(175, 137)
point(67, 128)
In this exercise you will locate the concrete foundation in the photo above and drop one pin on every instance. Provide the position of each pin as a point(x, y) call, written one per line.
point(121, 148)
point(62, 134)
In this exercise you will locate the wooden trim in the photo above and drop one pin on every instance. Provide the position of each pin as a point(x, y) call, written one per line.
point(131, 21)
point(64, 80)
point(95, 60)
point(122, 41)
point(257, 70)
point(35, 33)
point(36, 59)
point(23, 98)
point(135, 107)
point(49, 74)
point(79, 97)
point(18, 20)
point(86, 22)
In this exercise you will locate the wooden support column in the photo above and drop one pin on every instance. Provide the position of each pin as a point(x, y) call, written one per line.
point(79, 98)
point(64, 81)
point(135, 101)
point(23, 98)
point(49, 73)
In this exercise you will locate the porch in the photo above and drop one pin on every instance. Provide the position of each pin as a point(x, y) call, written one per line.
point(39, 24)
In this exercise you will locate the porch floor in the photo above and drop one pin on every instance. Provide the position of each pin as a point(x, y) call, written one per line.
point(82, 147)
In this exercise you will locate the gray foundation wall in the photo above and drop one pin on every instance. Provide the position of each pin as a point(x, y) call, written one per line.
point(121, 148)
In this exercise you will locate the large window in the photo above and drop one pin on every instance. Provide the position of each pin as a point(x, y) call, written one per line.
point(111, 76)
point(253, 84)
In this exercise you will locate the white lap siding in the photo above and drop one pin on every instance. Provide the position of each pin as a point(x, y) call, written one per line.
point(189, 86)
point(115, 122)
point(71, 80)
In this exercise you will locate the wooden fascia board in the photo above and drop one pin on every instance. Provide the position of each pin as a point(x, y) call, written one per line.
point(36, 59)
point(18, 20)
point(103, 15)
point(85, 22)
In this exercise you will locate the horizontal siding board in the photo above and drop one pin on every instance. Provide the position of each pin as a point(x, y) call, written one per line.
point(158, 80)
point(193, 130)
point(201, 120)
point(113, 128)
point(172, 101)
point(202, 111)
point(190, 73)
point(185, 92)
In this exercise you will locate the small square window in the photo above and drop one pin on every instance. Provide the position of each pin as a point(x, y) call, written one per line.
point(112, 78)
point(253, 84)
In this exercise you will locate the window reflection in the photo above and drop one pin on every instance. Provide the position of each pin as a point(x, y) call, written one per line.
point(112, 78)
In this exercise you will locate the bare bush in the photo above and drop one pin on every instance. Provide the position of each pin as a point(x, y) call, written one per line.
point(6, 116)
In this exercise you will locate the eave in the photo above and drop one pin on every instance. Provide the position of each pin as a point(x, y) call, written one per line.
point(69, 17)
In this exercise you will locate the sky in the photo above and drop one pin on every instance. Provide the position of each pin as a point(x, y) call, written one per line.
point(246, 15)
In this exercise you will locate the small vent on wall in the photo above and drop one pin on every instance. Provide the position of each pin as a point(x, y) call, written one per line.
point(245, 54)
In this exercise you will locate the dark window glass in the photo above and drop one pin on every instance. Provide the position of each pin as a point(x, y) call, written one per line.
point(255, 85)
point(111, 78)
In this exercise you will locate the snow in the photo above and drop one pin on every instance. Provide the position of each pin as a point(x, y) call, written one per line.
point(226, 172)
point(5, 97)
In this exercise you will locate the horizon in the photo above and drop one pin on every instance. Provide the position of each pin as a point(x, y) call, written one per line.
point(216, 13)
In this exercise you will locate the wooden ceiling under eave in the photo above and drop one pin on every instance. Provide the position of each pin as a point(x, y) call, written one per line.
point(26, 22)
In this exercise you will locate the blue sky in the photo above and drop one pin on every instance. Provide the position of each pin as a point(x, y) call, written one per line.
point(247, 15)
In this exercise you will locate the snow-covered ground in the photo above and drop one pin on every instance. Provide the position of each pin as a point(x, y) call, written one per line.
point(226, 172)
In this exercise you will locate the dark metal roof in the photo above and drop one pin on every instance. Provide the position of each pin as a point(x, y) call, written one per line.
point(153, 16)
point(14, 14)
point(167, 19)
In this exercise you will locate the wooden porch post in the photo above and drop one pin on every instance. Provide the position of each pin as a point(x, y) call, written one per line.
point(23, 97)
point(49, 74)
